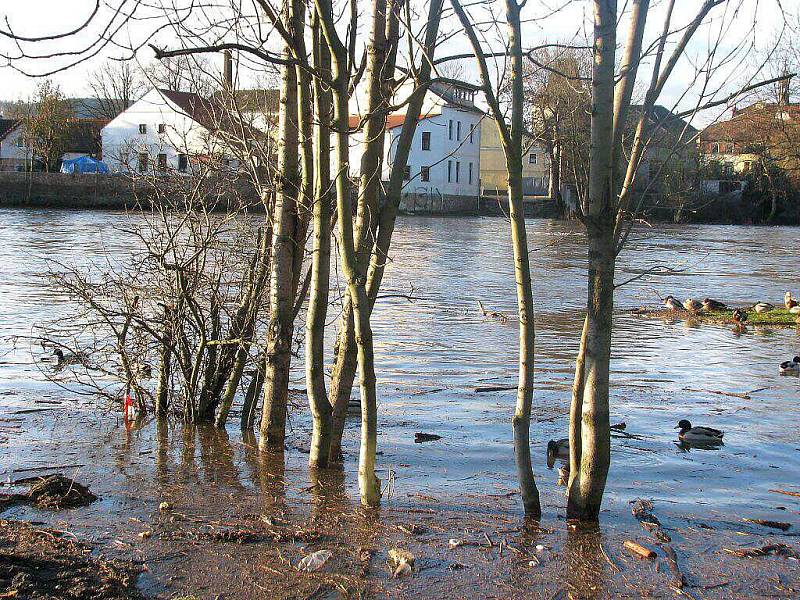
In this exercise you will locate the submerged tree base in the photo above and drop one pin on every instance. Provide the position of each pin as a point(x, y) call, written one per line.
point(778, 317)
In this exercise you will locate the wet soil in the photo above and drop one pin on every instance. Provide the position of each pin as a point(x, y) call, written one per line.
point(44, 563)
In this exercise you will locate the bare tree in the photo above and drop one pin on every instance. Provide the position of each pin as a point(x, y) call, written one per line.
point(114, 87)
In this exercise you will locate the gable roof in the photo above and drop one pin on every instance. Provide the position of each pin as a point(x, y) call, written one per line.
point(267, 101)
point(755, 124)
point(7, 126)
point(194, 106)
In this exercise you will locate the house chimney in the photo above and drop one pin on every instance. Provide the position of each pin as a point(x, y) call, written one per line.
point(227, 71)
point(783, 89)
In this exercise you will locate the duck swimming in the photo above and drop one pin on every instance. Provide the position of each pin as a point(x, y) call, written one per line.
point(710, 305)
point(671, 303)
point(70, 358)
point(739, 316)
point(790, 366)
point(693, 305)
point(763, 307)
point(699, 435)
point(557, 449)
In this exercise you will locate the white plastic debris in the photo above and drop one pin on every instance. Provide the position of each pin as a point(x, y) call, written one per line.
point(454, 543)
point(539, 548)
point(314, 561)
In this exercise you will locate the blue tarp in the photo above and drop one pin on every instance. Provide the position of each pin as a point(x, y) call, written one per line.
point(83, 164)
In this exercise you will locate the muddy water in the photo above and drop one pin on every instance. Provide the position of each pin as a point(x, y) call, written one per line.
point(431, 354)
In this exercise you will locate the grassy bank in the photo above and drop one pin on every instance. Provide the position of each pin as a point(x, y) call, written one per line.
point(778, 317)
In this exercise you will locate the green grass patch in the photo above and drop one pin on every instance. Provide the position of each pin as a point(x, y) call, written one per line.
point(779, 316)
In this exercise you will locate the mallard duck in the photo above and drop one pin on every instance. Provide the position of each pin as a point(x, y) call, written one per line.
point(788, 301)
point(702, 435)
point(791, 366)
point(70, 358)
point(557, 449)
point(763, 307)
point(710, 304)
point(739, 316)
point(693, 305)
point(671, 303)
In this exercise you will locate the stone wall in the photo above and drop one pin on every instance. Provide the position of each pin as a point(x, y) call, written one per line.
point(428, 204)
point(58, 190)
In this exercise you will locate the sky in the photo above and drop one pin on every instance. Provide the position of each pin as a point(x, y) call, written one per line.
point(744, 24)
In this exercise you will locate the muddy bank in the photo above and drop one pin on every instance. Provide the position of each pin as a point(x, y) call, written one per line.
point(45, 563)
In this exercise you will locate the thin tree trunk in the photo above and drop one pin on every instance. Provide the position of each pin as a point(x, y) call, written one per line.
point(369, 485)
point(281, 322)
point(586, 493)
point(320, 265)
point(346, 359)
point(165, 365)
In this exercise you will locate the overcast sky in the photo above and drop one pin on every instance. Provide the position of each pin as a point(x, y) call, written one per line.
point(747, 26)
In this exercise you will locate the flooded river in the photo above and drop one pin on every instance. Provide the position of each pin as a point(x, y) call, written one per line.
point(432, 352)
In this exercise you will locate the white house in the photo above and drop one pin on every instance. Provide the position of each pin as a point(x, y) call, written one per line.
point(14, 155)
point(165, 131)
point(444, 161)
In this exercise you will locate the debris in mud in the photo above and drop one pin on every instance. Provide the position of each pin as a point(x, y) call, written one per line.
point(53, 491)
point(769, 550)
point(413, 528)
point(314, 561)
point(165, 507)
point(420, 437)
point(401, 562)
point(643, 511)
point(45, 564)
point(773, 524)
point(638, 550)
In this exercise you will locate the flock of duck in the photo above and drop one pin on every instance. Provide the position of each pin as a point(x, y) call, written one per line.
point(688, 434)
point(739, 315)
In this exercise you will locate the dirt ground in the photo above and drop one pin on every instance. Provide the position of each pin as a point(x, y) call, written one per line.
point(46, 563)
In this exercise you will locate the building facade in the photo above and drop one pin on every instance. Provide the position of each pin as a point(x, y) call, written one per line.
point(14, 154)
point(494, 176)
point(443, 167)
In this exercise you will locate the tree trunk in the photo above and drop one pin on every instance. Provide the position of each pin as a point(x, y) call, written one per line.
point(320, 265)
point(281, 322)
point(165, 365)
point(588, 484)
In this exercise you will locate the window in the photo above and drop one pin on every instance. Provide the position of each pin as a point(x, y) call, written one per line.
point(450, 130)
point(426, 140)
point(406, 172)
point(183, 163)
point(162, 162)
point(449, 170)
point(142, 128)
point(458, 169)
point(161, 128)
point(532, 159)
point(715, 149)
point(142, 162)
point(471, 130)
point(20, 142)
point(458, 131)
point(425, 173)
point(470, 173)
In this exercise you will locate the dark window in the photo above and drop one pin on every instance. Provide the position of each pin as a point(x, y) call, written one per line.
point(715, 149)
point(142, 128)
point(425, 173)
point(142, 162)
point(470, 173)
point(450, 130)
point(161, 128)
point(532, 159)
point(406, 173)
point(458, 169)
point(183, 163)
point(426, 140)
point(162, 162)
point(449, 171)
point(458, 131)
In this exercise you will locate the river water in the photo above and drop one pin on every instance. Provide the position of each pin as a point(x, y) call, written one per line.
point(432, 352)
